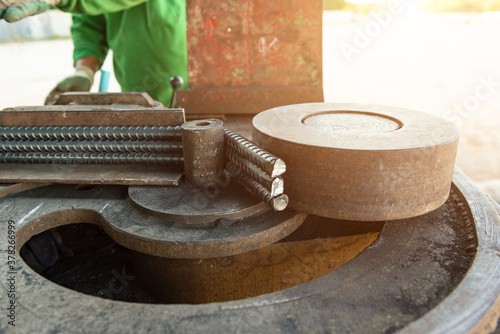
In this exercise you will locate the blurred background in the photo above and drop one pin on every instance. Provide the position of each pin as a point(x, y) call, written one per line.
point(437, 56)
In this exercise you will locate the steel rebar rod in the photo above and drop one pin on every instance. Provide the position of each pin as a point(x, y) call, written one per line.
point(270, 163)
point(92, 158)
point(274, 186)
point(152, 133)
point(90, 146)
point(277, 203)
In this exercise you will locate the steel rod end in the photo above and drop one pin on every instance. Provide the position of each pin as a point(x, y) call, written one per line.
point(279, 168)
point(279, 203)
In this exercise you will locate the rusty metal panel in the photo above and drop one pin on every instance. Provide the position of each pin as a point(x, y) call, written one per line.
point(84, 115)
point(252, 44)
point(245, 100)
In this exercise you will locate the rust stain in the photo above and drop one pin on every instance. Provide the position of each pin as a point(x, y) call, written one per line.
point(254, 43)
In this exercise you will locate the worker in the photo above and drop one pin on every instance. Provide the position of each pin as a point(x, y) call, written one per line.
point(148, 39)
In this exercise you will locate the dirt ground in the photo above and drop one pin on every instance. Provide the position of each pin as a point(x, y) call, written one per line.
point(447, 65)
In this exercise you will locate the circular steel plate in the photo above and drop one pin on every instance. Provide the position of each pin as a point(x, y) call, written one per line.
point(360, 162)
point(193, 204)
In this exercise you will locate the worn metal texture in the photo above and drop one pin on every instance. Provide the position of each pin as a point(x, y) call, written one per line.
point(360, 162)
point(86, 98)
point(81, 115)
point(243, 54)
point(244, 100)
point(91, 174)
point(135, 229)
point(421, 277)
point(254, 43)
point(203, 143)
point(192, 204)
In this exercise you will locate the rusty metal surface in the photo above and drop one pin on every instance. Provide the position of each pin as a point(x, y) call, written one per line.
point(91, 174)
point(244, 100)
point(360, 162)
point(407, 281)
point(203, 143)
point(86, 98)
point(81, 115)
point(255, 43)
point(193, 204)
point(248, 56)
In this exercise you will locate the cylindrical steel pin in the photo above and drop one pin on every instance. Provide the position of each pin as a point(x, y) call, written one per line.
point(203, 144)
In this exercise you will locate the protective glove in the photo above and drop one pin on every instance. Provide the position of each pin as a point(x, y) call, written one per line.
point(14, 10)
point(81, 81)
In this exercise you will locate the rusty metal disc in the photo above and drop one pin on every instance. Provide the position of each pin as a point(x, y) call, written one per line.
point(194, 204)
point(360, 162)
point(150, 235)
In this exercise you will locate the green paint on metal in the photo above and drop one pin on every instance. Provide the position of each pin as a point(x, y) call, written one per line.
point(237, 73)
point(300, 20)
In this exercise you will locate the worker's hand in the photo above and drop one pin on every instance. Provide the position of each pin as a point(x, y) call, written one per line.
point(14, 10)
point(81, 81)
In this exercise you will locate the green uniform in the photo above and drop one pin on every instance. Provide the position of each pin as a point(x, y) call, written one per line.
point(148, 39)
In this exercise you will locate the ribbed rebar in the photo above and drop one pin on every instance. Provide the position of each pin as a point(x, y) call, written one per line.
point(92, 158)
point(277, 203)
point(90, 146)
point(271, 164)
point(273, 185)
point(152, 133)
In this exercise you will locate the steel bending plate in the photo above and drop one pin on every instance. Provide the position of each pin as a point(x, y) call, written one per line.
point(360, 162)
point(191, 204)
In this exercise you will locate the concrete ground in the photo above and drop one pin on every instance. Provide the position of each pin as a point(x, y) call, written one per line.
point(447, 65)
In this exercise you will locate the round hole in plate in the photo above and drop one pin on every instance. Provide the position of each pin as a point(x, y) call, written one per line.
point(203, 123)
point(352, 122)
